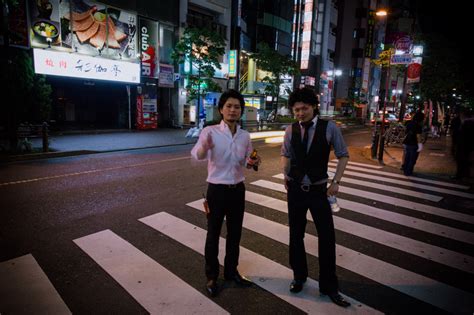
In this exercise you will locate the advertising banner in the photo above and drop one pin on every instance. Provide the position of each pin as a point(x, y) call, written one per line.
point(400, 59)
point(166, 76)
point(414, 71)
point(45, 23)
point(79, 66)
point(148, 44)
point(232, 63)
point(99, 30)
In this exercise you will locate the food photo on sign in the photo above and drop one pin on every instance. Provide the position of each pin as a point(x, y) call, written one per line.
point(97, 29)
point(44, 23)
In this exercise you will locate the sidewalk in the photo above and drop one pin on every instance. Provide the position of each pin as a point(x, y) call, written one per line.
point(435, 159)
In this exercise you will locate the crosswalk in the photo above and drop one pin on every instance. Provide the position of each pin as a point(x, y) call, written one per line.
point(406, 219)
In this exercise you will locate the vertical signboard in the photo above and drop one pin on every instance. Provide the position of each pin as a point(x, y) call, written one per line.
point(166, 76)
point(148, 44)
point(369, 47)
point(414, 70)
point(307, 26)
point(232, 63)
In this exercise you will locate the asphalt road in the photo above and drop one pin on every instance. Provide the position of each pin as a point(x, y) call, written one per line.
point(404, 255)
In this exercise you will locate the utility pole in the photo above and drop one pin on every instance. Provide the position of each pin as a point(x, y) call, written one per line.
point(382, 123)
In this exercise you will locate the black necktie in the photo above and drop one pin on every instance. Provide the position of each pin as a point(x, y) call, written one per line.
point(306, 125)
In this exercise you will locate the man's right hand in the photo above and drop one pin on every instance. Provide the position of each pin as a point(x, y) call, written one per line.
point(286, 184)
point(208, 144)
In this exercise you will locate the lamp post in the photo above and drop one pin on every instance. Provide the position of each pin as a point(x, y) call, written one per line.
point(381, 13)
point(382, 123)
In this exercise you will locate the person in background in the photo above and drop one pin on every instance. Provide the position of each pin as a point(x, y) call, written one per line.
point(227, 149)
point(304, 157)
point(413, 143)
point(464, 145)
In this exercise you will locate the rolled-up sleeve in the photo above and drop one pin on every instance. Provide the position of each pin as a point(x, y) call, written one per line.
point(286, 145)
point(337, 141)
point(198, 145)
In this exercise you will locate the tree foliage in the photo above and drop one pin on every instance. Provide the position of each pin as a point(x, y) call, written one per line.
point(270, 60)
point(440, 71)
point(202, 48)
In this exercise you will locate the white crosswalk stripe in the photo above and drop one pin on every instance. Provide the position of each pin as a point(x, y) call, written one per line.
point(441, 295)
point(387, 199)
point(25, 289)
point(267, 274)
point(153, 286)
point(362, 164)
point(406, 183)
point(385, 187)
point(409, 178)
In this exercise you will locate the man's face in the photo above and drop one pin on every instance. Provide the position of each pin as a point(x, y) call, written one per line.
point(231, 110)
point(303, 111)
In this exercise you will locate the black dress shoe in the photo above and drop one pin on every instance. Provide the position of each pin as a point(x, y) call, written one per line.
point(240, 280)
point(211, 287)
point(296, 286)
point(336, 298)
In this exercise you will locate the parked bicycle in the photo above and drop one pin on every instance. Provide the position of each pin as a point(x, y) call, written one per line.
point(395, 134)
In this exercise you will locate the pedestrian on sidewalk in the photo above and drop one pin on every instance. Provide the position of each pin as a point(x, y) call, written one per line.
point(455, 129)
point(305, 156)
point(413, 143)
point(227, 149)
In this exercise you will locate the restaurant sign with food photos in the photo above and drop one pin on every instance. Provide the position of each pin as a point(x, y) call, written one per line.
point(84, 27)
point(65, 64)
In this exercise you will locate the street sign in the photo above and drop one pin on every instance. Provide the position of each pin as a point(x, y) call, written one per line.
point(403, 59)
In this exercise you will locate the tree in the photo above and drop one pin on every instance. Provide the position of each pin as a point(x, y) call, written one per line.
point(202, 48)
point(270, 60)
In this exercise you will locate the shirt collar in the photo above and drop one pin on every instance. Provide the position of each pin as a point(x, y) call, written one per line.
point(315, 120)
point(223, 126)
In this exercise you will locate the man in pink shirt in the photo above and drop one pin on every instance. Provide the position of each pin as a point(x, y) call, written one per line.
point(227, 148)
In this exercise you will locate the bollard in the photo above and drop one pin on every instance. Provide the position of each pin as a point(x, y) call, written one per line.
point(44, 130)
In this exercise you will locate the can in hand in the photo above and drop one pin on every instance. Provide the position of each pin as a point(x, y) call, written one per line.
point(253, 156)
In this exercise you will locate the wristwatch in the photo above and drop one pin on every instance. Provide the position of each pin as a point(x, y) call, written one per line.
point(335, 181)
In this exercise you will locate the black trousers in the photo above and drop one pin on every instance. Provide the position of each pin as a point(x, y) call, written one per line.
point(224, 201)
point(316, 201)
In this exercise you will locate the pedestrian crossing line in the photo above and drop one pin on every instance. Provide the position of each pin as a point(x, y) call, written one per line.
point(402, 243)
point(385, 215)
point(158, 290)
point(410, 178)
point(465, 218)
point(361, 164)
point(25, 289)
point(398, 190)
point(264, 272)
point(407, 183)
point(420, 287)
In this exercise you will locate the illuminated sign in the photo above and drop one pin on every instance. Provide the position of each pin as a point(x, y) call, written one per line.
point(87, 67)
point(232, 63)
point(307, 25)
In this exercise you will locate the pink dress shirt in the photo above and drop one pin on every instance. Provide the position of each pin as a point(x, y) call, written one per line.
point(227, 160)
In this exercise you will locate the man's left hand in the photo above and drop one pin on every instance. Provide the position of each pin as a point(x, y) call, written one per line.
point(333, 189)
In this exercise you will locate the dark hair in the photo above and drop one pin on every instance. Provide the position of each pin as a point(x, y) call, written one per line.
point(305, 95)
point(234, 94)
point(418, 117)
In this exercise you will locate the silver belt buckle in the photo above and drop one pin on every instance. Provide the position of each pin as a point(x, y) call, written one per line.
point(305, 187)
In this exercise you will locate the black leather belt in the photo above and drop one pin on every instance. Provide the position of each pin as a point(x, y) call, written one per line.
point(309, 187)
point(229, 186)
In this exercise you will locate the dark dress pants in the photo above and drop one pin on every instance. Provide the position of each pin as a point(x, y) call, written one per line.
point(298, 203)
point(410, 158)
point(224, 201)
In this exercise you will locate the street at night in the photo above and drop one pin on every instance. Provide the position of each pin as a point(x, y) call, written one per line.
point(124, 232)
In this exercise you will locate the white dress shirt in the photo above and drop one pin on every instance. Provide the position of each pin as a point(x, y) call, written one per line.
point(227, 160)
